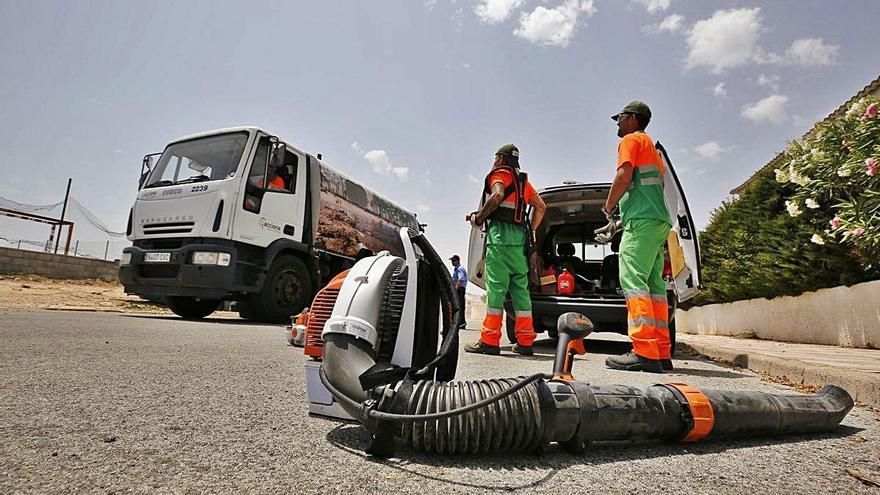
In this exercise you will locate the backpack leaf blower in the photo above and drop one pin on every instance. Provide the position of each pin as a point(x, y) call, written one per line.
point(381, 363)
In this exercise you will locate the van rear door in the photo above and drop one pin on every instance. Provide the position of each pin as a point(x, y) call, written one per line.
point(475, 262)
point(684, 248)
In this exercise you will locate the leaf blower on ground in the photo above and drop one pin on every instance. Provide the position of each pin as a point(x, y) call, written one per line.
point(378, 360)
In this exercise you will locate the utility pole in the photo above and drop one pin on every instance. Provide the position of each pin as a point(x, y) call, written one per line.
point(63, 211)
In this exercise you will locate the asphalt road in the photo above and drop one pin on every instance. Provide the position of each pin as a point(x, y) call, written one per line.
point(143, 403)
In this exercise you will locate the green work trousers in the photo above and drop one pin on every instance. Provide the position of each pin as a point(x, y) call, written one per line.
point(507, 270)
point(641, 278)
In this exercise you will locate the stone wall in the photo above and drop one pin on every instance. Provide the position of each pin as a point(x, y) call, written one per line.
point(19, 261)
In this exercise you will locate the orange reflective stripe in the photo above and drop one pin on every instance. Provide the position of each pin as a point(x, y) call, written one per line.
point(701, 411)
point(490, 333)
point(492, 321)
point(642, 327)
point(525, 330)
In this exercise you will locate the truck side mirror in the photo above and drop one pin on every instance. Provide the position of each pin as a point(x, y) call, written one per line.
point(148, 163)
point(276, 158)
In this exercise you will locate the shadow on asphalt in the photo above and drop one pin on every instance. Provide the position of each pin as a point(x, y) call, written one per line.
point(353, 439)
point(227, 321)
point(545, 350)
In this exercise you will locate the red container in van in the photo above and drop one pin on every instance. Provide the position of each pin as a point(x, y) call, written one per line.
point(565, 282)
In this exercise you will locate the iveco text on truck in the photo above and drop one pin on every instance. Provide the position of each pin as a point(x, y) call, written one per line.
point(239, 215)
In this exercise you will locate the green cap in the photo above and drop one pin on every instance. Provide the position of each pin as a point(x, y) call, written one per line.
point(635, 106)
point(508, 150)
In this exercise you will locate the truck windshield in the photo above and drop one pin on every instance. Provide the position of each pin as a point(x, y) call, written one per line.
point(198, 160)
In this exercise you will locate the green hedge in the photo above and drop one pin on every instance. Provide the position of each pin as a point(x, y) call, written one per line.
point(753, 248)
point(812, 223)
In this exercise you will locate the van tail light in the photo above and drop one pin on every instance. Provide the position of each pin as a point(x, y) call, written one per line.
point(667, 268)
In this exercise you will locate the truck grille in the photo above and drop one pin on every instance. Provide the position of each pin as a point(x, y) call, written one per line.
point(168, 228)
point(320, 311)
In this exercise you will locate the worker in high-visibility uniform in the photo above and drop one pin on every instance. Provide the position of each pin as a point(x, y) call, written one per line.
point(506, 192)
point(644, 218)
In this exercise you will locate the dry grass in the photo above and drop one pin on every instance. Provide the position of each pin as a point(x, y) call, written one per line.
point(36, 292)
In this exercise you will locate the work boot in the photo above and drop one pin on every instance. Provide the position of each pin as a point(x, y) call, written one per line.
point(666, 364)
point(525, 350)
point(633, 362)
point(480, 347)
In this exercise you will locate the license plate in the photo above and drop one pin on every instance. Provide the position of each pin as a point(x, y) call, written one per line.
point(157, 257)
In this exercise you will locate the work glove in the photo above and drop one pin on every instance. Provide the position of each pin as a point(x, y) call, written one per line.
point(606, 233)
point(472, 218)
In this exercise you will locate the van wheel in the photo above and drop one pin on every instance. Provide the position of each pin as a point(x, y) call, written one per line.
point(191, 308)
point(286, 290)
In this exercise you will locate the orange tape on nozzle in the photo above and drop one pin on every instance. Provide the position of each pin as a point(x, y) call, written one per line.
point(701, 410)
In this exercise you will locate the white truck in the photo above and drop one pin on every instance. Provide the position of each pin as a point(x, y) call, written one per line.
point(238, 215)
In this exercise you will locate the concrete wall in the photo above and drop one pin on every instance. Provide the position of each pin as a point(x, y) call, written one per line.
point(19, 261)
point(845, 316)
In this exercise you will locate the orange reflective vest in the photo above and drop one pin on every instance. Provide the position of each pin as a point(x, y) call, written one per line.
point(512, 208)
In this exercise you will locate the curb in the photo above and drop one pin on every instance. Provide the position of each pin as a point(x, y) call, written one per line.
point(863, 387)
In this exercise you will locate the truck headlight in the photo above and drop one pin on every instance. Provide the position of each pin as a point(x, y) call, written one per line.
point(126, 259)
point(211, 258)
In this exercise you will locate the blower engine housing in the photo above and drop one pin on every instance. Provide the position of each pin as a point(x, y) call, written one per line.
point(391, 305)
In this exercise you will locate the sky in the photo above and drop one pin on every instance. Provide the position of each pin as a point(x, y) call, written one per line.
point(413, 97)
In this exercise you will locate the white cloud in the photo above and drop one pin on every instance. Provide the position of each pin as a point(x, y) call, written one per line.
point(430, 4)
point(654, 5)
point(771, 82)
point(719, 91)
point(556, 26)
point(770, 109)
point(811, 52)
point(496, 11)
point(711, 150)
point(671, 24)
point(473, 179)
point(726, 40)
point(730, 38)
point(423, 208)
point(380, 162)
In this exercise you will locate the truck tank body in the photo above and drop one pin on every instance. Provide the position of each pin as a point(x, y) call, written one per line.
point(352, 217)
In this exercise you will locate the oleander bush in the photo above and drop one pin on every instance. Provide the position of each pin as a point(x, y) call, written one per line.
point(810, 224)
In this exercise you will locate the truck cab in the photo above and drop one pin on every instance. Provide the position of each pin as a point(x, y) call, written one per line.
point(565, 241)
point(233, 215)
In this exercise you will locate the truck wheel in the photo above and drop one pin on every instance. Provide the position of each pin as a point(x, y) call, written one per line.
point(191, 308)
point(286, 290)
point(246, 310)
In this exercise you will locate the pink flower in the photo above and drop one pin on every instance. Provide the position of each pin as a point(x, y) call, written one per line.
point(835, 222)
point(870, 112)
point(872, 165)
point(858, 231)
